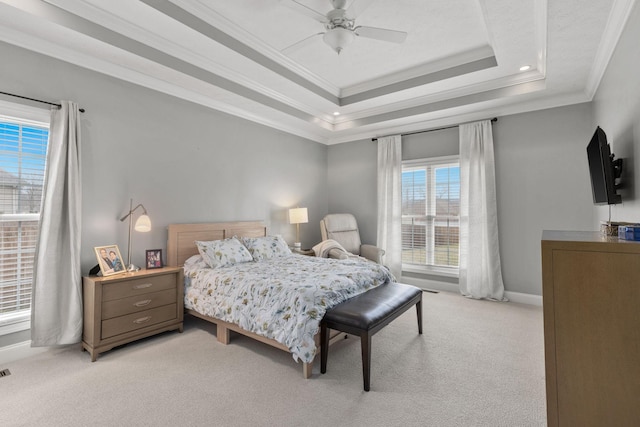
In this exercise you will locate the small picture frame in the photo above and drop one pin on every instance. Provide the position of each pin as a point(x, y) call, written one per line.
point(109, 260)
point(153, 258)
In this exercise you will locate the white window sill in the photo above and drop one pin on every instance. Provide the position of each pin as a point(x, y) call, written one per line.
point(434, 271)
point(15, 322)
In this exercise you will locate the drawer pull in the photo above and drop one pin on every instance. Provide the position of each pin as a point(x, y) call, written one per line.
point(143, 286)
point(142, 303)
point(142, 320)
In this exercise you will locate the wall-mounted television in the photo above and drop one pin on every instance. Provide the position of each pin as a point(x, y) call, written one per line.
point(604, 169)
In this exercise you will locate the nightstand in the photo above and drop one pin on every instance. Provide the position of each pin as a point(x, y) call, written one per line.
point(125, 307)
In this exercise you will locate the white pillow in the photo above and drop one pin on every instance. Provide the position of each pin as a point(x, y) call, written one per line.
point(195, 262)
point(266, 247)
point(220, 253)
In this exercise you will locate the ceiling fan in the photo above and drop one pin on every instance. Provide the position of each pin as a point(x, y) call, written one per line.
point(340, 25)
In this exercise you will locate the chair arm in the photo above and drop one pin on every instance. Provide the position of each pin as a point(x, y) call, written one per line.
point(372, 253)
point(338, 254)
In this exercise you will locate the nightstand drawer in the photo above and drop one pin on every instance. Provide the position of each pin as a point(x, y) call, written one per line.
point(133, 287)
point(131, 322)
point(137, 303)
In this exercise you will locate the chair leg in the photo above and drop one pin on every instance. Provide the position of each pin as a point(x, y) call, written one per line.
point(324, 347)
point(419, 311)
point(365, 339)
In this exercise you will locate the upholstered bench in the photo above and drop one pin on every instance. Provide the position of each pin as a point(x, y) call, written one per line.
point(366, 314)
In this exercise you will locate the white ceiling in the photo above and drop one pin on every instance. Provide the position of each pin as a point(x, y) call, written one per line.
point(460, 60)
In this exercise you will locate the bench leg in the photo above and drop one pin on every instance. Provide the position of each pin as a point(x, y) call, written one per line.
point(419, 310)
point(324, 347)
point(365, 339)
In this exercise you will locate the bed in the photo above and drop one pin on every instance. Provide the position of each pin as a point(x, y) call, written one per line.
point(296, 330)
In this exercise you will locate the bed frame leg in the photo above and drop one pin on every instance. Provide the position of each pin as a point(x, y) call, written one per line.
point(223, 334)
point(306, 370)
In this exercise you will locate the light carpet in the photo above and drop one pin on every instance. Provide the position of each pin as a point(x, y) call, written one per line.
point(478, 363)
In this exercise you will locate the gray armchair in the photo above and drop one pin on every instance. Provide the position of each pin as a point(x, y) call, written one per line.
point(343, 228)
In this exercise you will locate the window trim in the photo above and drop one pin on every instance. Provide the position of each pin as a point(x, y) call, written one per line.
point(432, 270)
point(31, 116)
point(15, 322)
point(25, 113)
point(443, 271)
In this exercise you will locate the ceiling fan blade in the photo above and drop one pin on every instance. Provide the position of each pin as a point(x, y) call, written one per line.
point(299, 45)
point(383, 34)
point(357, 7)
point(305, 10)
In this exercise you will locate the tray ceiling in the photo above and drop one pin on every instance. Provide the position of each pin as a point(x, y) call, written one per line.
point(460, 61)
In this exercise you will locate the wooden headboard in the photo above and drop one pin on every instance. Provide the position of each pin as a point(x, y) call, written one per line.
point(180, 244)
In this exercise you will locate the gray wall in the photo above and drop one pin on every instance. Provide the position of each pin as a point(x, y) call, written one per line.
point(542, 183)
point(184, 162)
point(616, 107)
point(541, 173)
point(352, 174)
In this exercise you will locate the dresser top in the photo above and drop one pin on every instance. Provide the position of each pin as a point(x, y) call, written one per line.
point(581, 236)
point(589, 240)
point(136, 274)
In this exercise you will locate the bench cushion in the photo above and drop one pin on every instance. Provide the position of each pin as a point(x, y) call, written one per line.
point(367, 310)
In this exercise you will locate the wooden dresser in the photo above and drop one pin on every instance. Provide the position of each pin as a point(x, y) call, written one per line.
point(591, 299)
point(125, 307)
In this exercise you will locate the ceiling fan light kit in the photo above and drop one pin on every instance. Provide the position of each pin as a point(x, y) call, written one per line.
point(340, 25)
point(338, 38)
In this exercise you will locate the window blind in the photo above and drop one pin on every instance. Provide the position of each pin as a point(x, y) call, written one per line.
point(430, 212)
point(23, 149)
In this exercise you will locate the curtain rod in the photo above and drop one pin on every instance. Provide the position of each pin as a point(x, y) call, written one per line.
point(495, 119)
point(37, 100)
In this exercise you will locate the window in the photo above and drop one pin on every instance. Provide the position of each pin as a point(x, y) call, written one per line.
point(431, 215)
point(23, 149)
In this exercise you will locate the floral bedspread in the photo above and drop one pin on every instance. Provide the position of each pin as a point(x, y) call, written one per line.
point(280, 298)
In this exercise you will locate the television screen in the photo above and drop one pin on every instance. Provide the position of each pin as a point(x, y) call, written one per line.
point(603, 169)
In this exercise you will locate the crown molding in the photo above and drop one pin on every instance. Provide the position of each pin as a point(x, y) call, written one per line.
point(245, 37)
point(482, 108)
point(616, 23)
point(443, 64)
point(460, 91)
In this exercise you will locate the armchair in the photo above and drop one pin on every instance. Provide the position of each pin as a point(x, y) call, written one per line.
point(343, 228)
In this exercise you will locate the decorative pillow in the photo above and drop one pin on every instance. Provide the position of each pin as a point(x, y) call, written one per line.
point(220, 253)
point(266, 247)
point(195, 262)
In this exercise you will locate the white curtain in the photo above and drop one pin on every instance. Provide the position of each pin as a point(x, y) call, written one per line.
point(480, 272)
point(390, 202)
point(56, 304)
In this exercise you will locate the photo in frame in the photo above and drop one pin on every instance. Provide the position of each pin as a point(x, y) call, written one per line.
point(153, 258)
point(109, 260)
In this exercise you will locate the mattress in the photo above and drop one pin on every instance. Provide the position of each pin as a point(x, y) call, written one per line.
point(282, 298)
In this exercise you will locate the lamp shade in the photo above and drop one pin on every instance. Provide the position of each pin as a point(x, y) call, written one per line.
point(298, 216)
point(338, 38)
point(143, 223)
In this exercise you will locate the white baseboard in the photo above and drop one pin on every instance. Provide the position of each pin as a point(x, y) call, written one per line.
point(524, 298)
point(435, 285)
point(431, 285)
point(18, 351)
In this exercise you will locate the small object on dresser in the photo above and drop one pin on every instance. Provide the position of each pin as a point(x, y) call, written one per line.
point(629, 232)
point(109, 260)
point(154, 258)
point(608, 228)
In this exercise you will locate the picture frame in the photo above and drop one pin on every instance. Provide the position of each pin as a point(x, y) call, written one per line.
point(153, 258)
point(109, 260)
